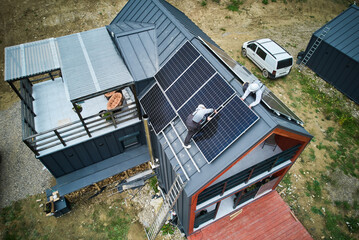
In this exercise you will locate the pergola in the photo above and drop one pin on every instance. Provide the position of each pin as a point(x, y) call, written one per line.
point(88, 63)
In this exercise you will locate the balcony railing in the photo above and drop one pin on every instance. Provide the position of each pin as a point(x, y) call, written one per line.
point(70, 132)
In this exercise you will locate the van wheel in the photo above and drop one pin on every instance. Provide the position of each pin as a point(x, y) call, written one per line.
point(265, 73)
point(244, 52)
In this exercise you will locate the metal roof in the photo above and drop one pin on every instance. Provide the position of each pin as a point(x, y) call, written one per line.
point(91, 64)
point(344, 32)
point(137, 43)
point(267, 123)
point(186, 22)
point(173, 28)
point(30, 59)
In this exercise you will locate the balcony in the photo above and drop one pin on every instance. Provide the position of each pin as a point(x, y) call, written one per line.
point(51, 122)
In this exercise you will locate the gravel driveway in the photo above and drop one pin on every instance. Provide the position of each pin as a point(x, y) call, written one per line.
point(21, 174)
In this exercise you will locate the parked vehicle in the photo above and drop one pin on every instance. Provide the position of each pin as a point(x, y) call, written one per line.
point(272, 59)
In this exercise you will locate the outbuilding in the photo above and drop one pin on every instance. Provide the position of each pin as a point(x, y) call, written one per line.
point(336, 59)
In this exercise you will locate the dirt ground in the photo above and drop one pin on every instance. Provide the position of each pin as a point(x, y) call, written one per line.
point(290, 23)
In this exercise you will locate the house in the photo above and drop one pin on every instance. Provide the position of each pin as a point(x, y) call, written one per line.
point(336, 59)
point(164, 66)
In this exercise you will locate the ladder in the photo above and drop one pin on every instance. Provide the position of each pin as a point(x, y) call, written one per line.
point(168, 203)
point(313, 48)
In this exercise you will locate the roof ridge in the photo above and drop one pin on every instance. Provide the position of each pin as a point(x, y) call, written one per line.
point(174, 20)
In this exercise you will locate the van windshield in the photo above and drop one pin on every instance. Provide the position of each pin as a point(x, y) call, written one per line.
point(285, 63)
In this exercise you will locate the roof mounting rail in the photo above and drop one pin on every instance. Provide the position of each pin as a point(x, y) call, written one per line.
point(174, 154)
point(188, 153)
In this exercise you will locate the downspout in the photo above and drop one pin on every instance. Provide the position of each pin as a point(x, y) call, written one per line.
point(148, 138)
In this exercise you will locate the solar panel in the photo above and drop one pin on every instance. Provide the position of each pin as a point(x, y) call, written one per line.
point(185, 86)
point(157, 108)
point(182, 59)
point(226, 127)
point(212, 95)
point(275, 104)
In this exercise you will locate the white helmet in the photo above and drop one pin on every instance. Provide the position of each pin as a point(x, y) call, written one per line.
point(201, 106)
point(253, 87)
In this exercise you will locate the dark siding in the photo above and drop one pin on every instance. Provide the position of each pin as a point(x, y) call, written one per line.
point(87, 153)
point(73, 158)
point(336, 68)
point(166, 176)
point(86, 156)
point(50, 163)
point(337, 58)
point(92, 150)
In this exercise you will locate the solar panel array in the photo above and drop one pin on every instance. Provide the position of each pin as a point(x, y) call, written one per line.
point(228, 125)
point(208, 95)
point(183, 83)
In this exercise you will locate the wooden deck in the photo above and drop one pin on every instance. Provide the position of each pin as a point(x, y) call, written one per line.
point(267, 218)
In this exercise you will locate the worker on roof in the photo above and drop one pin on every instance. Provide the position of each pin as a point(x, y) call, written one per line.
point(253, 88)
point(195, 120)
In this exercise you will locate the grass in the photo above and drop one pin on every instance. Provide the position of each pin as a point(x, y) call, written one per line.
point(339, 217)
point(286, 180)
point(334, 224)
point(101, 220)
point(153, 184)
point(167, 229)
point(311, 154)
point(343, 204)
point(314, 188)
point(234, 5)
point(316, 210)
point(348, 136)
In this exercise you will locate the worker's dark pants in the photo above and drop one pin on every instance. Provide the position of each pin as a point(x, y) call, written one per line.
point(192, 127)
point(245, 86)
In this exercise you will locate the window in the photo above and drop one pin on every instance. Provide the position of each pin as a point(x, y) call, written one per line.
point(252, 46)
point(130, 140)
point(206, 215)
point(261, 53)
point(247, 174)
point(285, 63)
point(246, 194)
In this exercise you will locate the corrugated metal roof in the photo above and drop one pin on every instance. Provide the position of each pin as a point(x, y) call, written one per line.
point(30, 59)
point(344, 32)
point(138, 45)
point(91, 63)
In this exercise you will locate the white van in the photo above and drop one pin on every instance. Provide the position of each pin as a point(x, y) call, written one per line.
point(273, 60)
